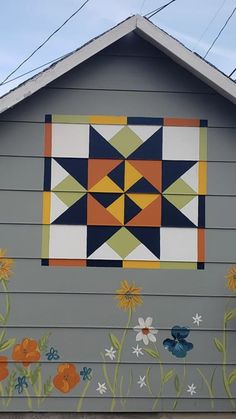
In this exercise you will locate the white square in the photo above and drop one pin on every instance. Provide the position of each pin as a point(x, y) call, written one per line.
point(181, 143)
point(70, 140)
point(179, 244)
point(67, 242)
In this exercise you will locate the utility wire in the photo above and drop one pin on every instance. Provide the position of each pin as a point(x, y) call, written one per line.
point(232, 72)
point(155, 11)
point(220, 32)
point(34, 69)
point(46, 40)
point(209, 24)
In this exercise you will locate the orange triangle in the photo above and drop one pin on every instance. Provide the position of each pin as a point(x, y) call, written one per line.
point(99, 168)
point(148, 217)
point(151, 170)
point(98, 215)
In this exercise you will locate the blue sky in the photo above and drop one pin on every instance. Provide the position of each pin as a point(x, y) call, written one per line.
point(26, 23)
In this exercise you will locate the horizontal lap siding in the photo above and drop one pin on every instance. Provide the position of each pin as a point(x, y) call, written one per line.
point(78, 306)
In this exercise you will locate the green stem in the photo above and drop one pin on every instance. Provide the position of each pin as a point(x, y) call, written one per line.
point(2, 394)
point(224, 371)
point(8, 309)
point(105, 373)
point(162, 383)
point(40, 386)
point(29, 401)
point(81, 399)
point(208, 387)
point(178, 394)
point(8, 304)
point(114, 386)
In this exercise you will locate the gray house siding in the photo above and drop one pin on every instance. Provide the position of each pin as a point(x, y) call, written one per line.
point(76, 305)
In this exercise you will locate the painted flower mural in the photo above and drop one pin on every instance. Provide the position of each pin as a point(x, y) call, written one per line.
point(178, 346)
point(30, 377)
point(146, 331)
point(26, 352)
point(67, 378)
point(231, 279)
point(5, 266)
point(128, 296)
point(4, 372)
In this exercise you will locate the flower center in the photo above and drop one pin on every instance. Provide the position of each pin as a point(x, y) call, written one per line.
point(128, 296)
point(66, 377)
point(145, 331)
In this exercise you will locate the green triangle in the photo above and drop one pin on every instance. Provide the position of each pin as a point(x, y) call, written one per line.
point(180, 187)
point(179, 201)
point(69, 184)
point(123, 242)
point(126, 141)
point(69, 198)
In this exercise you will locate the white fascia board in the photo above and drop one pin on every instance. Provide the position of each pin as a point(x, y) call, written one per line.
point(187, 59)
point(67, 64)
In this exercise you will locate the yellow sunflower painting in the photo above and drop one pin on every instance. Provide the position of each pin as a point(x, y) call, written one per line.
point(5, 266)
point(128, 295)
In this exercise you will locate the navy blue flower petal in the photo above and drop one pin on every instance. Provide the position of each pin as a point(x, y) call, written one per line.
point(179, 350)
point(178, 346)
point(179, 332)
point(186, 345)
point(169, 344)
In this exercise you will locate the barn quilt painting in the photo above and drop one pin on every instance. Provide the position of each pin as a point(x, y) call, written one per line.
point(124, 192)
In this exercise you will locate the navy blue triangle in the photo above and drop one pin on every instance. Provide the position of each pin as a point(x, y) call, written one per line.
point(151, 149)
point(78, 168)
point(97, 235)
point(118, 175)
point(76, 214)
point(172, 217)
point(172, 170)
point(106, 199)
point(131, 209)
point(149, 236)
point(142, 186)
point(99, 148)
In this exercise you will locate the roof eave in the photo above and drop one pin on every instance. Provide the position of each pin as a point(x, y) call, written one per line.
point(170, 46)
point(63, 66)
point(187, 59)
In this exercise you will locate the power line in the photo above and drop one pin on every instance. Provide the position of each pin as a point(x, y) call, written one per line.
point(46, 40)
point(155, 11)
point(35, 68)
point(220, 32)
point(232, 72)
point(209, 24)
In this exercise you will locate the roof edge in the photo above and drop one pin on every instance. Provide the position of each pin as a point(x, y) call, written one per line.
point(187, 59)
point(147, 30)
point(61, 67)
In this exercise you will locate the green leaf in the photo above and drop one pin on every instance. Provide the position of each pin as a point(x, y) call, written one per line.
point(22, 371)
point(48, 386)
point(176, 383)
point(34, 374)
point(152, 353)
point(10, 383)
point(7, 344)
point(43, 342)
point(168, 376)
point(115, 342)
point(230, 315)
point(219, 345)
point(232, 377)
point(2, 318)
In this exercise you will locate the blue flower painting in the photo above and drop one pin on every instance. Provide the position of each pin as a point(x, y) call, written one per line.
point(178, 346)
